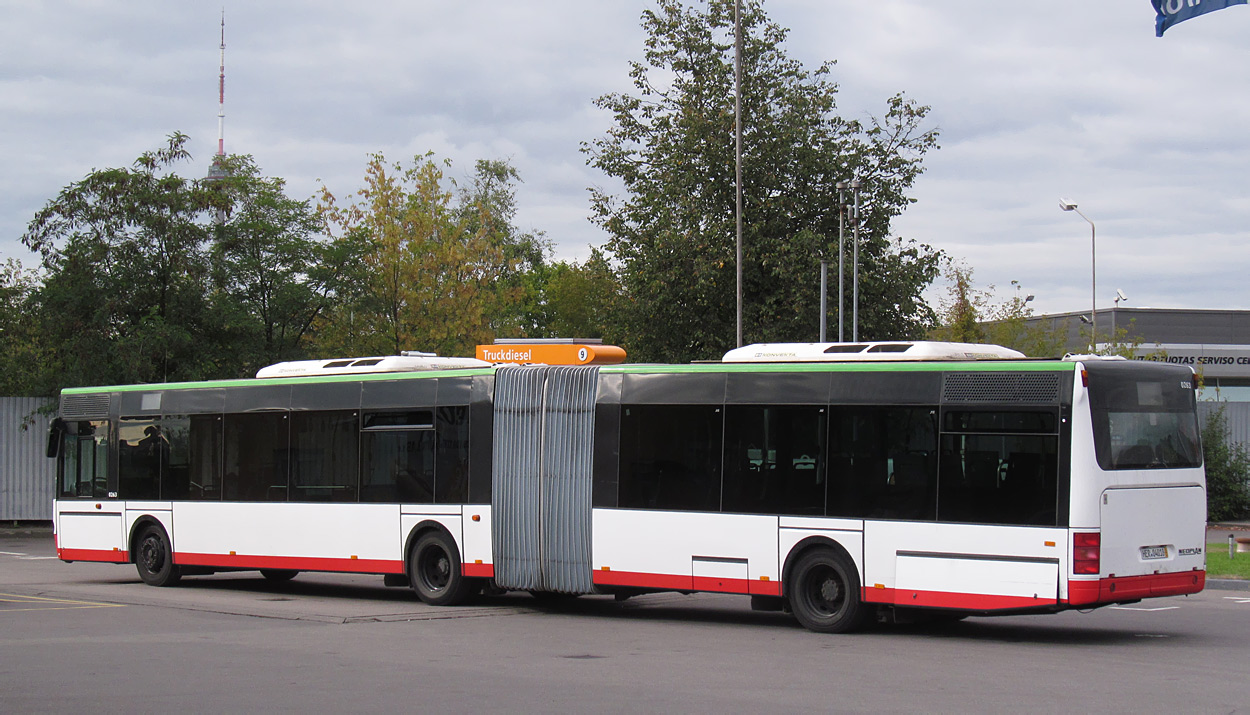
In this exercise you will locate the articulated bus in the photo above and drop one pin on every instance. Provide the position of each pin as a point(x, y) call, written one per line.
point(843, 483)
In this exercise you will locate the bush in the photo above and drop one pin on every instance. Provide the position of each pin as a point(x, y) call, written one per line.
point(1228, 470)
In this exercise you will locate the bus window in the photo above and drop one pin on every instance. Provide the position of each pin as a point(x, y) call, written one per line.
point(84, 459)
point(398, 456)
point(141, 448)
point(324, 456)
point(256, 456)
point(1143, 420)
point(670, 457)
point(883, 462)
point(774, 460)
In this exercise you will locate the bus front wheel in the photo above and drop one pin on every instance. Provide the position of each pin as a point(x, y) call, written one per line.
point(434, 568)
point(154, 558)
point(824, 593)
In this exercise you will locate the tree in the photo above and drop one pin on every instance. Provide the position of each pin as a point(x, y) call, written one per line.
point(576, 300)
point(21, 351)
point(440, 266)
point(971, 315)
point(1228, 470)
point(273, 273)
point(672, 234)
point(125, 288)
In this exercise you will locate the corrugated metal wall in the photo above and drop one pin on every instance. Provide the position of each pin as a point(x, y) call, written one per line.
point(1237, 414)
point(27, 476)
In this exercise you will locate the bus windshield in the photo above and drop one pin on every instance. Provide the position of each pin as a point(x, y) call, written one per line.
point(1143, 419)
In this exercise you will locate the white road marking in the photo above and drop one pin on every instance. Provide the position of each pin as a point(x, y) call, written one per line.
point(1131, 608)
point(1238, 599)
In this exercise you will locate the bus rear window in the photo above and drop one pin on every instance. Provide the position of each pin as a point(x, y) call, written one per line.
point(1144, 416)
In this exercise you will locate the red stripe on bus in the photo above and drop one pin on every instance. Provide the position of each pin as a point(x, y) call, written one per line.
point(946, 599)
point(292, 563)
point(678, 582)
point(1127, 588)
point(478, 570)
point(112, 556)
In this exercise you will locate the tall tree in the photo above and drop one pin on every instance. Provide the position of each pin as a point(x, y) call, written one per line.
point(21, 350)
point(124, 293)
point(274, 275)
point(439, 263)
point(672, 234)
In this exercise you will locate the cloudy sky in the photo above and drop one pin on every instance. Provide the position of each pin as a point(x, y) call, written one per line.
point(1034, 101)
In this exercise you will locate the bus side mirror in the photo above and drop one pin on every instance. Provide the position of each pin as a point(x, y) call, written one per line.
point(55, 431)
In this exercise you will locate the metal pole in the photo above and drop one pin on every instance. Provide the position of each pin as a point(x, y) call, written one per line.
point(841, 259)
point(824, 296)
point(738, 157)
point(855, 265)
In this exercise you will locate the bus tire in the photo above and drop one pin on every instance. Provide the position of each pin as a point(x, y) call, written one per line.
point(278, 574)
point(435, 572)
point(824, 592)
point(154, 558)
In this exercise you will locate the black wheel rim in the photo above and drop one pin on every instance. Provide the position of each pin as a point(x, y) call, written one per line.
point(434, 567)
point(826, 591)
point(152, 554)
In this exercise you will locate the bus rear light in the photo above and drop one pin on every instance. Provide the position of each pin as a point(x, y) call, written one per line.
point(1086, 553)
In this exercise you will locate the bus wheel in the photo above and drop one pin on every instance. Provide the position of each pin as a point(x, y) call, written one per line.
point(824, 593)
point(278, 574)
point(154, 558)
point(434, 568)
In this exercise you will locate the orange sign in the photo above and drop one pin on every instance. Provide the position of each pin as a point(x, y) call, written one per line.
point(551, 354)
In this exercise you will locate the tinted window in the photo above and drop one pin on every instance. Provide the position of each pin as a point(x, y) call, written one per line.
point(883, 462)
point(324, 456)
point(398, 466)
point(670, 457)
point(141, 447)
point(1144, 417)
point(774, 460)
point(451, 481)
point(999, 479)
point(84, 459)
point(256, 456)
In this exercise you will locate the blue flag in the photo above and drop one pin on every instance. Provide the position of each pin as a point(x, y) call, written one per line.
point(1171, 12)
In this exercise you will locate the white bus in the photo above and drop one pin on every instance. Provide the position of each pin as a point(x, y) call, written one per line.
point(839, 482)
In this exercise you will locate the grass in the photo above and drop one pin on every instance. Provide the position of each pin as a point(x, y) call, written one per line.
point(1220, 566)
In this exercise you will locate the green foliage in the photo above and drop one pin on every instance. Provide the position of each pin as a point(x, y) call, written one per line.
point(442, 269)
point(21, 351)
point(577, 300)
point(970, 314)
point(673, 232)
point(1228, 470)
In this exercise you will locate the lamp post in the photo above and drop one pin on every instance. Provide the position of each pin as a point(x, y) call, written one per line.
point(1068, 205)
point(738, 165)
point(855, 264)
point(841, 260)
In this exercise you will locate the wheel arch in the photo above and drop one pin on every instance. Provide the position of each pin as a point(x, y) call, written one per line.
point(422, 528)
point(808, 544)
point(138, 527)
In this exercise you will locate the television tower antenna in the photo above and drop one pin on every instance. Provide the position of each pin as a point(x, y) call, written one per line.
point(221, 92)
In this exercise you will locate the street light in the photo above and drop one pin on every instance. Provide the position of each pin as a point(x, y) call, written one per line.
point(855, 264)
point(841, 259)
point(1068, 205)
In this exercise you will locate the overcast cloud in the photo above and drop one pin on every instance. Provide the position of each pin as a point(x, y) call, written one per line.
point(1034, 101)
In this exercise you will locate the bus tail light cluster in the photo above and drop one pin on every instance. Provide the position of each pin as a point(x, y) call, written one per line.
point(1086, 553)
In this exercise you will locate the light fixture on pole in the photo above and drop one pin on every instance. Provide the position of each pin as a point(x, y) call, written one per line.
point(1068, 205)
point(855, 264)
point(738, 162)
point(1119, 296)
point(841, 260)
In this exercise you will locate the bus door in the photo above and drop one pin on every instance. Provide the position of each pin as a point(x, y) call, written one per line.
point(89, 521)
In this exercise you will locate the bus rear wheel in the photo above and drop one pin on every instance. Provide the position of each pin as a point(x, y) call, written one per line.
point(435, 572)
point(154, 558)
point(824, 593)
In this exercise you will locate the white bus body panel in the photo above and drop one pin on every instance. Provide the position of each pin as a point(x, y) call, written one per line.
point(90, 530)
point(1136, 519)
point(685, 551)
point(330, 537)
point(476, 550)
point(964, 566)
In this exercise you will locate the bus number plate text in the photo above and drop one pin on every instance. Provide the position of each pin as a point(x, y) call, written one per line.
point(1154, 552)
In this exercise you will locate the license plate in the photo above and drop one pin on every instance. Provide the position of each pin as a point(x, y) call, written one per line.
point(1154, 552)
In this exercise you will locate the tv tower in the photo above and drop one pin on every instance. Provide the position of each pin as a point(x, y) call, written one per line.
point(217, 170)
